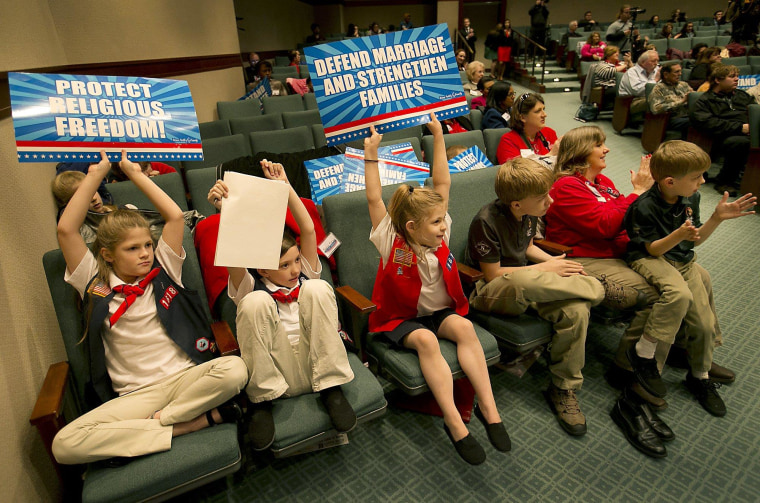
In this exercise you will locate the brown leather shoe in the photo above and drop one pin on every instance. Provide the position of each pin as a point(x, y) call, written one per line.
point(654, 402)
point(721, 374)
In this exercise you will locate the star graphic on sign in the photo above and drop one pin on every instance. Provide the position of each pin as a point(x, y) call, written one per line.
point(66, 156)
point(26, 156)
point(35, 156)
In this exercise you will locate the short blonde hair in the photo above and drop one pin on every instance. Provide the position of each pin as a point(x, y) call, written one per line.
point(519, 178)
point(473, 67)
point(574, 149)
point(454, 151)
point(410, 203)
point(610, 50)
point(677, 158)
point(64, 185)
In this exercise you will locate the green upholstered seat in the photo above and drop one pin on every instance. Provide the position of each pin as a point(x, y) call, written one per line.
point(232, 109)
point(468, 139)
point(219, 150)
point(287, 140)
point(245, 125)
point(310, 101)
point(280, 104)
point(127, 193)
point(199, 182)
point(214, 129)
point(491, 138)
point(304, 118)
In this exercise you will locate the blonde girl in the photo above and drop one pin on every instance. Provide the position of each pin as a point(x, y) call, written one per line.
point(147, 337)
point(419, 296)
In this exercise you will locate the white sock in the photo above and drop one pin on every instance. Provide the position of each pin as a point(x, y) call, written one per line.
point(646, 349)
point(700, 375)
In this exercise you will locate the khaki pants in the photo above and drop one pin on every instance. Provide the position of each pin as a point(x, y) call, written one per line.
point(276, 367)
point(564, 301)
point(119, 427)
point(683, 296)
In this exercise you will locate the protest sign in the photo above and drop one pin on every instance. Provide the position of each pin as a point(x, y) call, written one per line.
point(68, 118)
point(747, 81)
point(393, 81)
point(393, 169)
point(263, 88)
point(471, 159)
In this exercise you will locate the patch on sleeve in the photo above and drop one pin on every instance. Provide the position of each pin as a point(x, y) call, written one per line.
point(403, 257)
point(483, 248)
point(202, 344)
point(100, 289)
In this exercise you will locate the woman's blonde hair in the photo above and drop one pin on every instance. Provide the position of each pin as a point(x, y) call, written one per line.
point(411, 204)
point(64, 185)
point(111, 232)
point(473, 67)
point(574, 149)
point(609, 51)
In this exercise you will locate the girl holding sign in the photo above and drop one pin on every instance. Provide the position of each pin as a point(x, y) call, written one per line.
point(419, 294)
point(287, 326)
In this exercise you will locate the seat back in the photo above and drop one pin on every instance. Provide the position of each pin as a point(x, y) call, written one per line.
point(214, 129)
point(310, 101)
point(127, 193)
point(660, 45)
point(476, 117)
point(707, 38)
point(754, 125)
point(280, 104)
point(648, 91)
point(285, 140)
point(305, 118)
point(736, 61)
point(232, 109)
point(281, 61)
point(284, 72)
point(722, 40)
point(199, 182)
point(468, 139)
point(492, 137)
point(219, 150)
point(682, 44)
point(246, 125)
point(318, 133)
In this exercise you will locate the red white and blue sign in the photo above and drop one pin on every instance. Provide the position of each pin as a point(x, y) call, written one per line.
point(71, 118)
point(469, 160)
point(393, 169)
point(393, 81)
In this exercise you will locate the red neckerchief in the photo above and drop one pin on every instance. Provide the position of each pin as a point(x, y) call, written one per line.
point(287, 298)
point(131, 292)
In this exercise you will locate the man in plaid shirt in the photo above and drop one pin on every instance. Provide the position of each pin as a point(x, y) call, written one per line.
point(671, 95)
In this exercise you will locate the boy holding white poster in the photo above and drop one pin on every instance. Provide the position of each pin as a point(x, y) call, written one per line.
point(287, 326)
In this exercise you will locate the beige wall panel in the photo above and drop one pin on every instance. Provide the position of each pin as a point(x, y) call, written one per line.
point(271, 26)
point(28, 36)
point(209, 87)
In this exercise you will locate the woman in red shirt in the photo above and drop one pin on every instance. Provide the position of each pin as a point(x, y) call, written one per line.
point(529, 133)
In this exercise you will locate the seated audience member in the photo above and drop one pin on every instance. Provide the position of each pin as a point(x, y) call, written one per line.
point(571, 33)
point(654, 21)
point(701, 70)
point(375, 29)
point(264, 70)
point(665, 32)
point(639, 44)
point(675, 16)
point(618, 32)
point(353, 31)
point(295, 58)
point(83, 167)
point(593, 49)
point(406, 23)
point(635, 80)
point(454, 151)
point(501, 97)
point(529, 136)
point(588, 23)
point(696, 51)
point(723, 113)
point(671, 95)
point(500, 244)
point(316, 35)
point(484, 86)
point(475, 71)
point(718, 19)
point(687, 31)
point(604, 73)
point(250, 67)
point(461, 56)
point(664, 225)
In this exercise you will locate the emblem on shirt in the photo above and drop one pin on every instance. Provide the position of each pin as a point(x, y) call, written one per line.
point(482, 248)
point(202, 344)
point(168, 297)
point(399, 272)
point(100, 289)
point(689, 212)
point(403, 257)
point(449, 261)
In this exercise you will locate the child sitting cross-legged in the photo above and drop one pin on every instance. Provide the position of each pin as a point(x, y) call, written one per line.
point(287, 326)
point(419, 296)
point(664, 226)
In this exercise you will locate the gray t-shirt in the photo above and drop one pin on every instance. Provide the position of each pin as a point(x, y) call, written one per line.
point(497, 236)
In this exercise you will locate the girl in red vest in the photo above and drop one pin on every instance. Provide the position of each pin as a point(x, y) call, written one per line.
point(419, 295)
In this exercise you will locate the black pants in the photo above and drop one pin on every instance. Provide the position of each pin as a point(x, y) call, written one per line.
point(735, 150)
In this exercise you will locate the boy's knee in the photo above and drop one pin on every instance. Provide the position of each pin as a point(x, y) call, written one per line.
point(234, 370)
point(255, 303)
point(316, 289)
point(577, 311)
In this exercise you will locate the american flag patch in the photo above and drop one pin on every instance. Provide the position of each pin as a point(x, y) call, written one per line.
point(100, 289)
point(403, 257)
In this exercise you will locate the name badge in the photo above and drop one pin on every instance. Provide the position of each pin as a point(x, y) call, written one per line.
point(450, 261)
point(329, 245)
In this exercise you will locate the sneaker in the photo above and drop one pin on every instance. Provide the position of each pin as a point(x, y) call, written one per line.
point(646, 373)
point(564, 404)
point(621, 297)
point(706, 392)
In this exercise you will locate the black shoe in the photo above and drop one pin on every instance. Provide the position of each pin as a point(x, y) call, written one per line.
point(706, 392)
point(646, 373)
point(620, 378)
point(721, 374)
point(679, 358)
point(341, 414)
point(661, 429)
point(636, 430)
point(261, 426)
point(468, 448)
point(497, 433)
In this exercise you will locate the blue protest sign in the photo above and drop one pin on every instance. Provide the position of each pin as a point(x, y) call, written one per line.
point(747, 81)
point(67, 118)
point(471, 159)
point(393, 81)
point(403, 150)
point(393, 169)
point(324, 176)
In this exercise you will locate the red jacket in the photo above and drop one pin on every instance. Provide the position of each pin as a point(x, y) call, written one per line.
point(398, 285)
point(579, 219)
point(511, 144)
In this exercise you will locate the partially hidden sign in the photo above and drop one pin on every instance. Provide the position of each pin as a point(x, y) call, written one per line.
point(471, 159)
point(393, 81)
point(393, 169)
point(68, 118)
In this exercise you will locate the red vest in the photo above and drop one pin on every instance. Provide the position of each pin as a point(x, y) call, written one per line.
point(398, 285)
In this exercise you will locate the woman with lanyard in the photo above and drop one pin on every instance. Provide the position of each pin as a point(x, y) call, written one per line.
point(529, 136)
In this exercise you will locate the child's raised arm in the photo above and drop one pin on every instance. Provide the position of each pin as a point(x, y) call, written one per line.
point(71, 242)
point(174, 227)
point(440, 167)
point(372, 183)
point(727, 211)
point(275, 171)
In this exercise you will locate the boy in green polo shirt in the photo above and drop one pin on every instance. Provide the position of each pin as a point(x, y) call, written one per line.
point(664, 226)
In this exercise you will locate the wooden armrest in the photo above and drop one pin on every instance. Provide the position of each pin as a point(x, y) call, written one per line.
point(469, 274)
point(47, 415)
point(356, 300)
point(552, 248)
point(225, 341)
point(621, 113)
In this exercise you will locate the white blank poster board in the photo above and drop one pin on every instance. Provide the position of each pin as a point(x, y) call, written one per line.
point(252, 222)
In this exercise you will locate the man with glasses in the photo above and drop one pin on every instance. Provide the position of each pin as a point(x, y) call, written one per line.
point(671, 95)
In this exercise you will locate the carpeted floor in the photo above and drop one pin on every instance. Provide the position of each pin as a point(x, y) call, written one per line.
point(406, 457)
